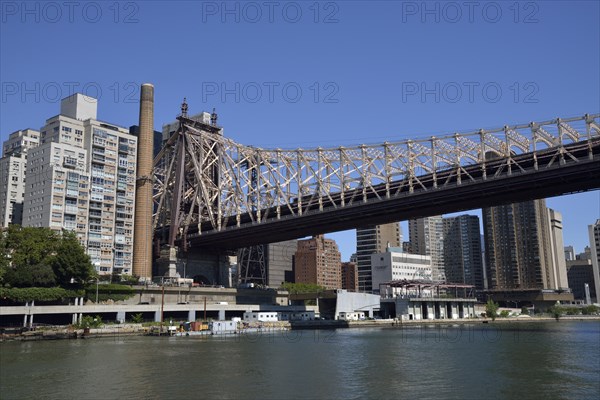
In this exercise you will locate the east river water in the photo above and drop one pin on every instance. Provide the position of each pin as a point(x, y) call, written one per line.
point(538, 360)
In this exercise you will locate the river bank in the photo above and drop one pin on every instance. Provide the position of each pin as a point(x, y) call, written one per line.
point(69, 332)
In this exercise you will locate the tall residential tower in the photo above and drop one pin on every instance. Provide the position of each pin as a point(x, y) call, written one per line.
point(462, 250)
point(520, 241)
point(427, 238)
point(82, 178)
point(318, 260)
point(594, 232)
point(13, 171)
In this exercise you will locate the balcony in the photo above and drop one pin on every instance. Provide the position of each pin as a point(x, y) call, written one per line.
point(69, 162)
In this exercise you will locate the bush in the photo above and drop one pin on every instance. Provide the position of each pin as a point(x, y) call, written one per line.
point(491, 308)
point(504, 313)
point(556, 311)
point(137, 318)
point(22, 295)
point(590, 310)
point(113, 292)
point(90, 322)
point(129, 280)
point(572, 310)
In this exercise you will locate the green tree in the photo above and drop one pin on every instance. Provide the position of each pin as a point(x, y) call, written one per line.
point(296, 288)
point(491, 309)
point(36, 275)
point(4, 255)
point(556, 311)
point(27, 254)
point(70, 261)
point(129, 280)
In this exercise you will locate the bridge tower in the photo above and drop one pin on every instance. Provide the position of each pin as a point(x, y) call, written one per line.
point(187, 192)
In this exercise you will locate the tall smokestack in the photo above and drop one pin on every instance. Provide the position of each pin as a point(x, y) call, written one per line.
point(142, 240)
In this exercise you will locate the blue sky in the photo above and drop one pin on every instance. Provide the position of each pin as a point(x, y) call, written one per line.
point(304, 74)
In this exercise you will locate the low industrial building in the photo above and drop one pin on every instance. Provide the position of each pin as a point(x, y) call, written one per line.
point(331, 303)
point(394, 265)
point(271, 316)
point(351, 316)
point(259, 316)
point(221, 327)
point(297, 316)
point(540, 299)
point(426, 300)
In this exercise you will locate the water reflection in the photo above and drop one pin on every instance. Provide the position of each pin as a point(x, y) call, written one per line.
point(473, 361)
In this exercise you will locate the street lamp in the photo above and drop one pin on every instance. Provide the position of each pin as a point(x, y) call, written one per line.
point(97, 290)
point(97, 265)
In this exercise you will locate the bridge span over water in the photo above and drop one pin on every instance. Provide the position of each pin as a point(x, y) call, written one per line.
point(211, 192)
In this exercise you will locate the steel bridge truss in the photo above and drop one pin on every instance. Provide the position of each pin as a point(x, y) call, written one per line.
point(204, 181)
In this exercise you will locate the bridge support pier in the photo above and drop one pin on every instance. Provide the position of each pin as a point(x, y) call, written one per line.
point(430, 310)
point(157, 316)
point(221, 315)
point(192, 315)
point(207, 266)
point(121, 317)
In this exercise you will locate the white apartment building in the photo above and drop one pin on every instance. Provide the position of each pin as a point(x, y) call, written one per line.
point(369, 240)
point(594, 234)
point(558, 272)
point(13, 165)
point(393, 265)
point(82, 178)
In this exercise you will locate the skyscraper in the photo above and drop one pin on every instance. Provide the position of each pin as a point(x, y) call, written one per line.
point(82, 178)
point(594, 232)
point(349, 276)
point(558, 275)
point(569, 253)
point(462, 250)
point(318, 260)
point(13, 170)
point(427, 238)
point(369, 240)
point(280, 261)
point(520, 240)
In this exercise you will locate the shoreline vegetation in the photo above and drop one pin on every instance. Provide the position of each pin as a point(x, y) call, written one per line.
point(139, 329)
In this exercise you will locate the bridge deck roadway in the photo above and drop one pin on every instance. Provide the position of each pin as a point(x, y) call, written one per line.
point(572, 176)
